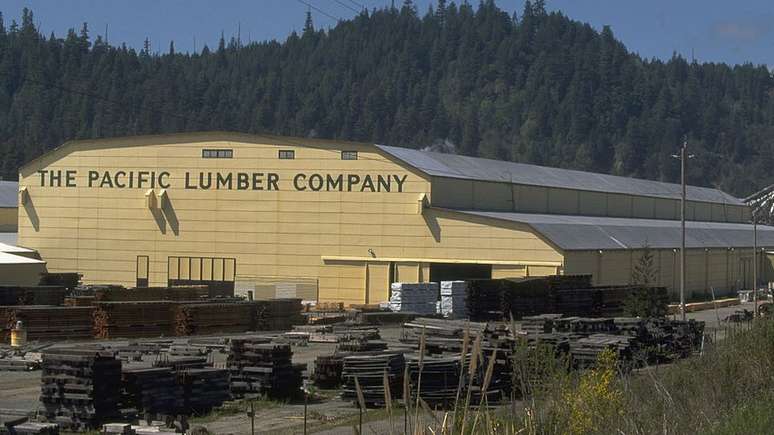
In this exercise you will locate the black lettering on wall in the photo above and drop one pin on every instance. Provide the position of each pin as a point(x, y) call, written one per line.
point(273, 179)
point(368, 183)
point(225, 182)
point(352, 179)
point(70, 178)
point(117, 179)
point(315, 182)
point(162, 180)
point(334, 183)
point(400, 182)
point(188, 184)
point(93, 176)
point(296, 180)
point(42, 178)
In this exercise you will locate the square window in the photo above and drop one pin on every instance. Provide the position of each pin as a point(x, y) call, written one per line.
point(287, 154)
point(349, 155)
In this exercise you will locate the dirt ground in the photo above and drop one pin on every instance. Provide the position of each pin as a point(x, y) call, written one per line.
point(20, 391)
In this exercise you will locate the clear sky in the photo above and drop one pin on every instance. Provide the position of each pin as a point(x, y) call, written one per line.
point(713, 30)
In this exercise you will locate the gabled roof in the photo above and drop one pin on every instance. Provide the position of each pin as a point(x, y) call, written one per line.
point(474, 168)
point(573, 233)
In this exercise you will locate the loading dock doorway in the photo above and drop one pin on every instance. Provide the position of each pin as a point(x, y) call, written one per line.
point(459, 271)
point(216, 272)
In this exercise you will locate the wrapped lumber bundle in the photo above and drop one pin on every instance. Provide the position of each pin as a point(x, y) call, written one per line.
point(54, 323)
point(214, 318)
point(33, 295)
point(133, 319)
point(278, 314)
point(438, 382)
point(80, 389)
point(180, 293)
point(420, 298)
point(327, 370)
point(453, 299)
point(369, 370)
point(203, 389)
point(263, 368)
point(151, 391)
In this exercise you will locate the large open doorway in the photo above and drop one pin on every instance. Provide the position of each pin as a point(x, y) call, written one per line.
point(459, 271)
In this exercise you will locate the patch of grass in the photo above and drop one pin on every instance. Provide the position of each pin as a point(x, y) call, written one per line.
point(237, 407)
point(752, 417)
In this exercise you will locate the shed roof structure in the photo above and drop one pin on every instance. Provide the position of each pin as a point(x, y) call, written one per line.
point(590, 233)
point(475, 168)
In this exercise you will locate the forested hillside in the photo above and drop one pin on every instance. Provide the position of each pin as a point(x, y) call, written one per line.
point(529, 86)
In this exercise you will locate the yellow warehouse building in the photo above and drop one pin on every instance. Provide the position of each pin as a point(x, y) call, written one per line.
point(340, 221)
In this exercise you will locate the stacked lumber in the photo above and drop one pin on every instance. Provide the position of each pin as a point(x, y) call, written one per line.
point(33, 295)
point(151, 390)
point(68, 280)
point(453, 299)
point(262, 368)
point(360, 345)
point(178, 364)
point(133, 319)
point(79, 301)
point(420, 298)
point(370, 371)
point(542, 323)
point(327, 370)
point(53, 323)
point(181, 293)
point(485, 300)
point(278, 314)
point(17, 364)
point(438, 383)
point(214, 318)
point(203, 389)
point(441, 335)
point(80, 389)
point(585, 351)
point(5, 323)
point(34, 428)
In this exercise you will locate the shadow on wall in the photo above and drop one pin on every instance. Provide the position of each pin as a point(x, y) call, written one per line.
point(158, 216)
point(432, 225)
point(32, 214)
point(169, 212)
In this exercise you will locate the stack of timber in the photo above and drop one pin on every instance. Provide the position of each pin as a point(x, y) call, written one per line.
point(441, 335)
point(584, 326)
point(278, 314)
point(53, 323)
point(181, 293)
point(214, 318)
point(181, 363)
point(5, 323)
point(370, 372)
point(543, 323)
point(420, 298)
point(453, 299)
point(35, 428)
point(79, 301)
point(262, 368)
point(203, 389)
point(17, 364)
point(33, 295)
point(68, 280)
point(151, 391)
point(485, 300)
point(327, 370)
point(585, 352)
point(360, 345)
point(438, 383)
point(133, 319)
point(80, 389)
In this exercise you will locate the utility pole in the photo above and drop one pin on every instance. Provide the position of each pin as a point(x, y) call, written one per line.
point(683, 157)
point(755, 265)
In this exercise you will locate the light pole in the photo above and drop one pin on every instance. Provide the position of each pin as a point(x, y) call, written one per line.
point(755, 265)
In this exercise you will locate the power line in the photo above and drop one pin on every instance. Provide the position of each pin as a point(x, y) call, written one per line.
point(358, 4)
point(310, 6)
point(347, 6)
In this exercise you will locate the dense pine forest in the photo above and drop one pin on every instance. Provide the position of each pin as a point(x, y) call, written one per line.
point(528, 86)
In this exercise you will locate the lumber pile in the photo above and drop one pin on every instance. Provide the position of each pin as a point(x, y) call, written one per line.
point(585, 351)
point(79, 301)
point(53, 323)
point(133, 319)
point(571, 295)
point(80, 389)
point(439, 380)
point(203, 389)
point(453, 299)
point(35, 428)
point(214, 318)
point(16, 364)
point(359, 344)
point(441, 335)
point(327, 370)
point(68, 280)
point(368, 372)
point(181, 363)
point(178, 293)
point(278, 314)
point(420, 298)
point(34, 295)
point(151, 390)
point(263, 368)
